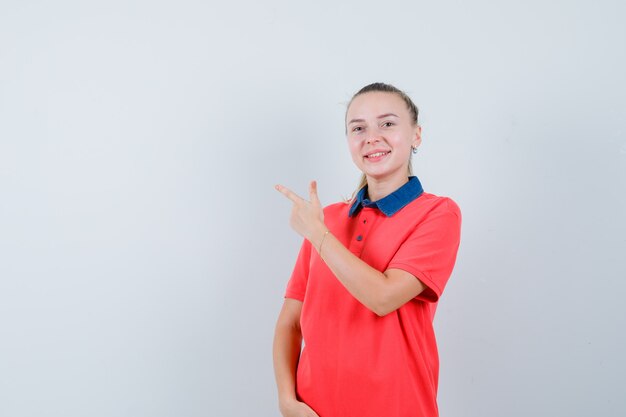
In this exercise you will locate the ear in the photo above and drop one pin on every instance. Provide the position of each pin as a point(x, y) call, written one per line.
point(417, 138)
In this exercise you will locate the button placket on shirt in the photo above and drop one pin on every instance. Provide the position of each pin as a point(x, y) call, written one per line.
point(361, 231)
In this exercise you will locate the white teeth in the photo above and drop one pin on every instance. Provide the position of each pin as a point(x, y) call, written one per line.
point(377, 154)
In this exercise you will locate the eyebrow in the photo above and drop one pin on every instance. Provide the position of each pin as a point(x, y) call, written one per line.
point(382, 116)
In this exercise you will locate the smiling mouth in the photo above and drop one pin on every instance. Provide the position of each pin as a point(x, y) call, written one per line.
point(377, 154)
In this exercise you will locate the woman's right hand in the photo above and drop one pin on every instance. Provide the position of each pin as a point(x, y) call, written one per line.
point(295, 408)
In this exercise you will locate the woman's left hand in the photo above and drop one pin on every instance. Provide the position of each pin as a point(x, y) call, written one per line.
point(307, 217)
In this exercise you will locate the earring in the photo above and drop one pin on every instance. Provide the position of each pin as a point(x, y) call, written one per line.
point(414, 149)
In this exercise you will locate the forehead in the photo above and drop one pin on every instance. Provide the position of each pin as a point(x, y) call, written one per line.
point(373, 104)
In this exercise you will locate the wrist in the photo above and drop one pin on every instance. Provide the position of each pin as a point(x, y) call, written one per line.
point(284, 403)
point(319, 236)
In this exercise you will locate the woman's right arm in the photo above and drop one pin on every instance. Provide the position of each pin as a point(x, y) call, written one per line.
point(287, 346)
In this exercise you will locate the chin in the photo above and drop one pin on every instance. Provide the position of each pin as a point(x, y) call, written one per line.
point(380, 175)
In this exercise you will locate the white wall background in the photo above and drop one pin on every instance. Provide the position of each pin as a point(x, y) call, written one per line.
point(144, 251)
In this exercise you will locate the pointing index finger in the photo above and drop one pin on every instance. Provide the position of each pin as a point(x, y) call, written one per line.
point(289, 194)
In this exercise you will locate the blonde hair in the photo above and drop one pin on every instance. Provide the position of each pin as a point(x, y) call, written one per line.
point(413, 112)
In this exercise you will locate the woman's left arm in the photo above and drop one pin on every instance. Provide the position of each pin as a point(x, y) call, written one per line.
point(380, 292)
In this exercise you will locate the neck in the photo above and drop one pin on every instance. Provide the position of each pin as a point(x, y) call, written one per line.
point(380, 188)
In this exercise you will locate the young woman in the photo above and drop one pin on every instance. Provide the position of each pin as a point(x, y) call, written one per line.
point(366, 283)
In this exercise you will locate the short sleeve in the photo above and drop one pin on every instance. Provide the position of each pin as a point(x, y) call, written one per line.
point(296, 287)
point(429, 253)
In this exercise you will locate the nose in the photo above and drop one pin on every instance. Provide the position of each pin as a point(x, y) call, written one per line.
point(373, 137)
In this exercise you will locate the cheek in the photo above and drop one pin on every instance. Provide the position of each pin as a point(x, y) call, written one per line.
point(355, 151)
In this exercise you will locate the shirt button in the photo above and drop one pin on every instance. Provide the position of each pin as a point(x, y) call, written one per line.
point(359, 238)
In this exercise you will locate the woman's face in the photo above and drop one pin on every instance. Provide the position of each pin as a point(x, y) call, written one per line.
point(380, 135)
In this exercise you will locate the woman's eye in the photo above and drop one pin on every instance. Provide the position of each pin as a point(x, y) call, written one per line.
point(357, 129)
point(388, 124)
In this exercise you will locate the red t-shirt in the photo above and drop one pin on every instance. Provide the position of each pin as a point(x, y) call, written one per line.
point(355, 363)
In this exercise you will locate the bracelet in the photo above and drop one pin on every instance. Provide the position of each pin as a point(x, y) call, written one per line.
point(322, 242)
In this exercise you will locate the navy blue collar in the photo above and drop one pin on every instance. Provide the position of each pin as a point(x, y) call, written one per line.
point(392, 203)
